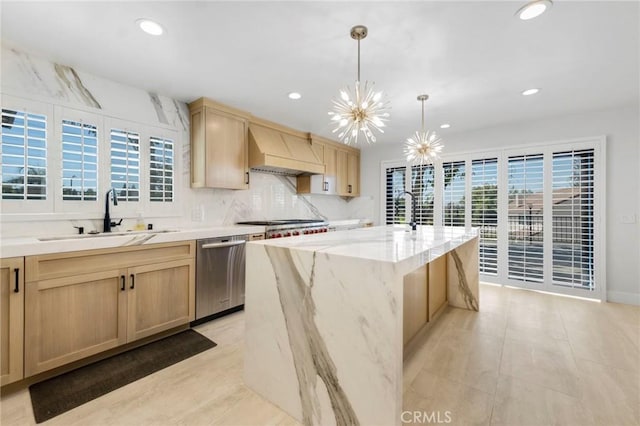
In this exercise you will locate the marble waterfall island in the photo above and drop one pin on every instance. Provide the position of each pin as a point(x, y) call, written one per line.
point(328, 315)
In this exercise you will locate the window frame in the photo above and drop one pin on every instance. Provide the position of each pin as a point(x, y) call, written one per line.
point(54, 207)
point(547, 149)
point(17, 208)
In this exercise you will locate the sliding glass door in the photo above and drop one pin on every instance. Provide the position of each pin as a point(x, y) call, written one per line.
point(538, 211)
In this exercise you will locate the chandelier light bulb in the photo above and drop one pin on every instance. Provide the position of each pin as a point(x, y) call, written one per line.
point(425, 146)
point(362, 111)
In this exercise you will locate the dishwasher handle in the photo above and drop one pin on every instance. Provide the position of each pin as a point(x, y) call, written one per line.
point(225, 244)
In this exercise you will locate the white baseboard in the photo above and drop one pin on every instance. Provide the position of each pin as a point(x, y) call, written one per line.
point(623, 297)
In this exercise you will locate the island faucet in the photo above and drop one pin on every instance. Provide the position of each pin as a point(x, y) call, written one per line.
point(412, 222)
point(107, 219)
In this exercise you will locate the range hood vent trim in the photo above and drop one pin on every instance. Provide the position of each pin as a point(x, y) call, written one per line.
point(274, 151)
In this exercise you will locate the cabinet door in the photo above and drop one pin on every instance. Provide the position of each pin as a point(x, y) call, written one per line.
point(74, 317)
point(12, 319)
point(353, 174)
point(161, 297)
point(227, 161)
point(342, 172)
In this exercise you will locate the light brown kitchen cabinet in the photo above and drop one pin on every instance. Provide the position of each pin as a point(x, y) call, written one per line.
point(159, 298)
point(326, 183)
point(12, 323)
point(82, 303)
point(219, 146)
point(348, 173)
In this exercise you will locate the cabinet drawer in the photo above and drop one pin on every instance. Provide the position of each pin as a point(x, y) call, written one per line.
point(74, 263)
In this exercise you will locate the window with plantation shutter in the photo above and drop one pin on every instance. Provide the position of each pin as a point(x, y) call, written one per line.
point(394, 201)
point(453, 210)
point(572, 213)
point(484, 211)
point(125, 164)
point(525, 183)
point(422, 187)
point(24, 155)
point(79, 161)
point(161, 169)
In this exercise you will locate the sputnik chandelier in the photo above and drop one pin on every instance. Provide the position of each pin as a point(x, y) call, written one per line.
point(424, 146)
point(363, 110)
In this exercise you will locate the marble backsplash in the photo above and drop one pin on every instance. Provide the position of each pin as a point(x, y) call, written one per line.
point(32, 77)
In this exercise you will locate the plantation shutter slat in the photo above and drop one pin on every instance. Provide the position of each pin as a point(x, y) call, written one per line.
point(395, 202)
point(484, 211)
point(24, 155)
point(525, 183)
point(79, 161)
point(572, 213)
point(125, 164)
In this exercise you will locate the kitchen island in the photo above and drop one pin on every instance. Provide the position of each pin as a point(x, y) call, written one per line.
point(325, 314)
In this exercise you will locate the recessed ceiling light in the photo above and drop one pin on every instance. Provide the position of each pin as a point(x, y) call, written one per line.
point(295, 96)
point(445, 126)
point(530, 92)
point(533, 9)
point(150, 27)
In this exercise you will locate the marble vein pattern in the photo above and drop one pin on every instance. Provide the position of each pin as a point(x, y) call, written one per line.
point(157, 105)
point(470, 300)
point(69, 79)
point(324, 334)
point(310, 354)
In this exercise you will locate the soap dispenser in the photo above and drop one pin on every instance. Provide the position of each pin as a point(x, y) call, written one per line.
point(140, 223)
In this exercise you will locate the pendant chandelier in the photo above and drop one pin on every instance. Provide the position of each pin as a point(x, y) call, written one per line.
point(362, 111)
point(424, 146)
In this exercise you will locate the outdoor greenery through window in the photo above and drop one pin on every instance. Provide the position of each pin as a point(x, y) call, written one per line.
point(24, 155)
point(125, 164)
point(79, 161)
point(454, 193)
point(422, 181)
point(161, 169)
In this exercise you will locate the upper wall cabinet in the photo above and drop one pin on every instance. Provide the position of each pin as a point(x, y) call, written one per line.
point(219, 150)
point(348, 172)
point(342, 170)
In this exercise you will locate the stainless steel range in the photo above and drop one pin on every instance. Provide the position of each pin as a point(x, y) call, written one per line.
point(289, 227)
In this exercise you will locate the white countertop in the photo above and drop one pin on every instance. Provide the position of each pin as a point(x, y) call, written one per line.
point(391, 243)
point(29, 246)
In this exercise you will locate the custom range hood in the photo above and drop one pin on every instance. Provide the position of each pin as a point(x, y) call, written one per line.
point(280, 150)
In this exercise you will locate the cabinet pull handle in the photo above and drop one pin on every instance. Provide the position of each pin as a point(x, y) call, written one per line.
point(326, 185)
point(16, 289)
point(122, 279)
point(246, 180)
point(350, 188)
point(133, 281)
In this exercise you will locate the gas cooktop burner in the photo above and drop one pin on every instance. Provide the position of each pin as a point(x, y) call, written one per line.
point(280, 222)
point(289, 227)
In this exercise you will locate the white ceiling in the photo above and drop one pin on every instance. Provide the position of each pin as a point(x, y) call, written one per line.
point(472, 58)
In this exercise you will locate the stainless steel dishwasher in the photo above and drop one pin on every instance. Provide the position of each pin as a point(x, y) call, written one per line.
point(219, 276)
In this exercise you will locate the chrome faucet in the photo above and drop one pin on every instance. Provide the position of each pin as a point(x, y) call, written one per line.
point(107, 224)
point(413, 223)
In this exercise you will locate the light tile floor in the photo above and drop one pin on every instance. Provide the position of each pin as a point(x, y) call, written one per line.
point(525, 359)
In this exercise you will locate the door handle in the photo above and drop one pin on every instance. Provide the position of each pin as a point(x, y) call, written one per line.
point(122, 279)
point(246, 180)
point(225, 244)
point(350, 188)
point(133, 281)
point(16, 289)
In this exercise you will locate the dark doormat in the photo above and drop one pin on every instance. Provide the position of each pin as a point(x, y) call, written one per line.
point(62, 393)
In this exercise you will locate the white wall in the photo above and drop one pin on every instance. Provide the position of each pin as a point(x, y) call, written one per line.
point(621, 127)
point(29, 76)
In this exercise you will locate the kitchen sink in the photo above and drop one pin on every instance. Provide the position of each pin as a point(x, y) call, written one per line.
point(105, 234)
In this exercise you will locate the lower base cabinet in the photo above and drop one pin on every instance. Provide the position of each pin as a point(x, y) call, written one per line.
point(76, 315)
point(11, 319)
